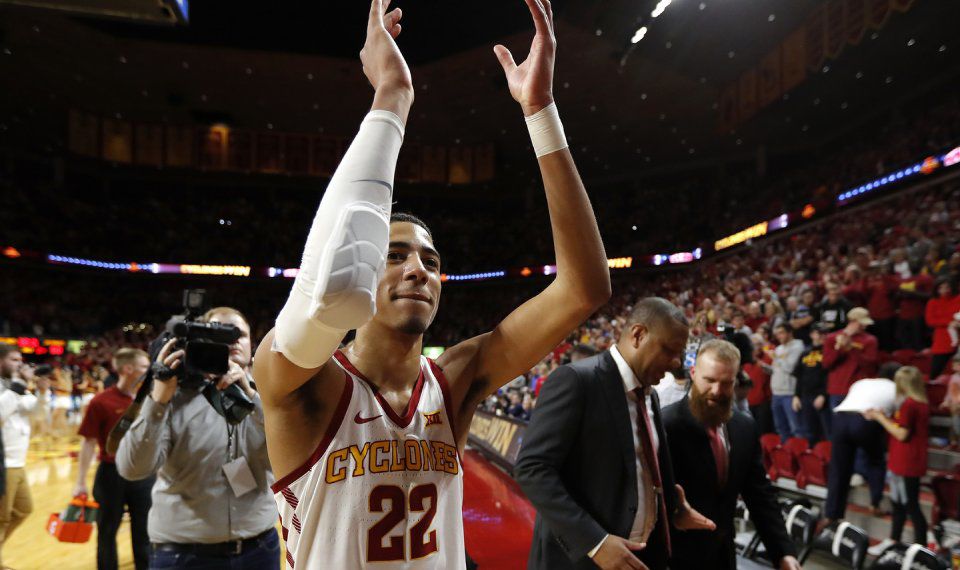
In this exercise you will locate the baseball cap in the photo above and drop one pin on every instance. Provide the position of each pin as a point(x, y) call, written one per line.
point(860, 315)
point(870, 393)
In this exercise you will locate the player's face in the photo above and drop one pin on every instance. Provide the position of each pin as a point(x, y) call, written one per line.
point(711, 396)
point(409, 291)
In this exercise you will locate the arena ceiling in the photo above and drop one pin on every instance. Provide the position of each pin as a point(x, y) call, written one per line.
point(628, 109)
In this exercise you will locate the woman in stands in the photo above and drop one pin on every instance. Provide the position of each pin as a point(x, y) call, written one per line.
point(943, 316)
point(907, 461)
point(952, 401)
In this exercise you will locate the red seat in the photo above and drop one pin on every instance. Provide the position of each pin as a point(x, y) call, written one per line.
point(812, 470)
point(797, 445)
point(784, 464)
point(768, 442)
point(946, 498)
point(822, 450)
point(904, 356)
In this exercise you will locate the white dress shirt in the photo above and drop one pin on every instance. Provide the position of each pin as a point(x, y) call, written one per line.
point(15, 413)
point(630, 383)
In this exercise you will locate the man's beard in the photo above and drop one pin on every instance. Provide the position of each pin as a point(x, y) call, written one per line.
point(710, 415)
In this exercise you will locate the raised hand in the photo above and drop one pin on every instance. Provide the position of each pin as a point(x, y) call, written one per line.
point(383, 64)
point(531, 82)
point(689, 519)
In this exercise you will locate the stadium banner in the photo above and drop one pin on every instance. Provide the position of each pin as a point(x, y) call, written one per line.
point(855, 20)
point(484, 163)
point(117, 141)
point(748, 95)
point(836, 28)
point(269, 153)
point(770, 77)
point(148, 145)
point(460, 169)
point(794, 60)
point(879, 13)
point(296, 154)
point(179, 146)
point(433, 164)
point(498, 437)
point(240, 151)
point(213, 148)
point(325, 156)
point(728, 108)
point(816, 40)
point(84, 134)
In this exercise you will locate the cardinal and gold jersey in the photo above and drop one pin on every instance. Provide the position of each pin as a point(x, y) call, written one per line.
point(381, 490)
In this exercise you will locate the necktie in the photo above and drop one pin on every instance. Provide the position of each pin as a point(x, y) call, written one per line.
point(651, 464)
point(719, 454)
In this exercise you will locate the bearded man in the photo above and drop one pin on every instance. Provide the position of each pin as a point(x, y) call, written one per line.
point(716, 458)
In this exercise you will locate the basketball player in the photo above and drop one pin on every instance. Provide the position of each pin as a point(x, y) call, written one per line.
point(366, 442)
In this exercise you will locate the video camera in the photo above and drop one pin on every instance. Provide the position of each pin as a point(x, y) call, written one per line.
point(206, 357)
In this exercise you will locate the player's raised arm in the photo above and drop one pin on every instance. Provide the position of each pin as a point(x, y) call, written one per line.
point(582, 283)
point(335, 290)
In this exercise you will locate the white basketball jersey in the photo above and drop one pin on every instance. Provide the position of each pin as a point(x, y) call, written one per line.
point(381, 490)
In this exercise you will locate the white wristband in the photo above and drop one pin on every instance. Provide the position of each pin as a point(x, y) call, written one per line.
point(546, 130)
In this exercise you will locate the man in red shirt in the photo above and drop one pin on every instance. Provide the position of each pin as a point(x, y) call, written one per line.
point(879, 288)
point(109, 489)
point(849, 355)
point(913, 295)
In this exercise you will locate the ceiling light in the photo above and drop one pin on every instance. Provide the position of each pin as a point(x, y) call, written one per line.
point(599, 32)
point(638, 35)
point(771, 17)
point(942, 49)
point(911, 42)
point(703, 6)
point(859, 75)
point(731, 53)
point(661, 6)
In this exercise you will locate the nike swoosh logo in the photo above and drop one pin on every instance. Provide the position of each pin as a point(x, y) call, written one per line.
point(360, 420)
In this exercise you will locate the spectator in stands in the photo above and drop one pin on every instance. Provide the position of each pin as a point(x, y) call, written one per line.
point(739, 323)
point(849, 355)
point(114, 493)
point(908, 430)
point(913, 293)
point(774, 313)
point(759, 396)
point(810, 398)
point(783, 382)
point(755, 317)
point(853, 285)
point(832, 312)
point(879, 287)
point(942, 317)
point(952, 401)
point(802, 318)
point(672, 388)
point(516, 406)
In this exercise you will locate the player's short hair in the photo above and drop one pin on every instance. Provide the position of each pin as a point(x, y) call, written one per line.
point(224, 311)
point(6, 349)
point(398, 217)
point(722, 350)
point(655, 312)
point(126, 356)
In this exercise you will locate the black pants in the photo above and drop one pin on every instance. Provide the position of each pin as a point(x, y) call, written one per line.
point(905, 498)
point(850, 432)
point(938, 364)
point(911, 333)
point(885, 331)
point(113, 492)
point(763, 416)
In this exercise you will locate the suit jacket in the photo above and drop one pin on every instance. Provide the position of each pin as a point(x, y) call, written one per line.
point(578, 466)
point(696, 471)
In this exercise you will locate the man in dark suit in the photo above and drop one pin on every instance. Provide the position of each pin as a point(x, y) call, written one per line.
point(716, 458)
point(594, 460)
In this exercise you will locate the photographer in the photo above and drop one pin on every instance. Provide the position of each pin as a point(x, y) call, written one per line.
point(212, 504)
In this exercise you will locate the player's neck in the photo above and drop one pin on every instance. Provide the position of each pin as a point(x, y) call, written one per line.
point(387, 358)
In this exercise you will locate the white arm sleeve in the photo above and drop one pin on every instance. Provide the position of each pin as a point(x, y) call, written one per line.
point(336, 288)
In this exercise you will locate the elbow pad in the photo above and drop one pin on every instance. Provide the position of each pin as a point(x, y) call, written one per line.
point(336, 287)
